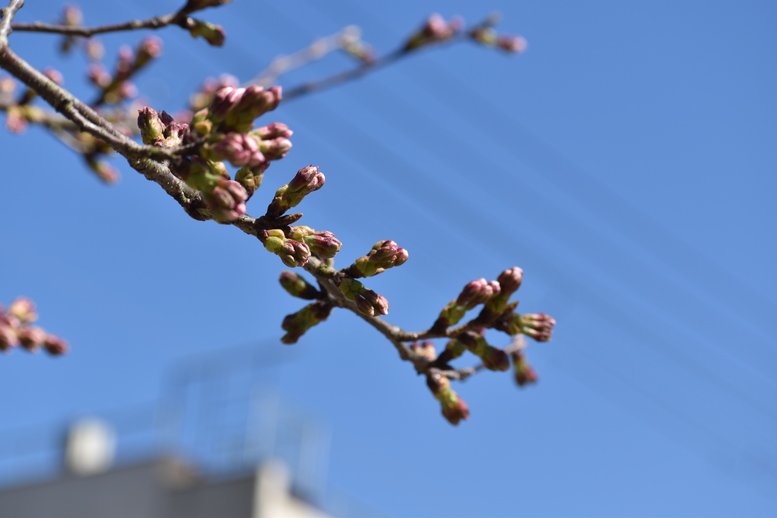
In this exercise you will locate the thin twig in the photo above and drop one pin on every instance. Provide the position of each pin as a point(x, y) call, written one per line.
point(157, 22)
point(356, 73)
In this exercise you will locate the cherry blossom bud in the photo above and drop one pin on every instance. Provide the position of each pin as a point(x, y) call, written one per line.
point(434, 30)
point(324, 243)
point(477, 292)
point(297, 286)
point(484, 35)
point(150, 48)
point(94, 49)
point(98, 75)
point(239, 150)
point(226, 200)
point(378, 303)
point(425, 350)
point(23, 309)
point(510, 280)
point(274, 130)
point(31, 338)
point(71, 15)
point(254, 101)
point(152, 129)
point(512, 44)
point(450, 315)
point(367, 301)
point(292, 253)
point(276, 148)
point(384, 255)
point(524, 373)
point(8, 338)
point(538, 326)
point(493, 358)
point(55, 345)
point(250, 178)
point(213, 34)
point(298, 323)
point(307, 180)
point(223, 101)
point(454, 409)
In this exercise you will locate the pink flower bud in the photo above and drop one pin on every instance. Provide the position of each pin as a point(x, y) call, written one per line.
point(23, 309)
point(510, 280)
point(324, 244)
point(8, 337)
point(240, 150)
point(55, 345)
point(31, 338)
point(538, 326)
point(524, 373)
point(477, 292)
point(226, 201)
point(297, 286)
point(274, 130)
point(512, 44)
point(150, 48)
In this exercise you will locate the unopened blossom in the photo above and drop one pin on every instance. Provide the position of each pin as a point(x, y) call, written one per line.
point(298, 323)
point(424, 349)
point(512, 44)
point(454, 409)
point(31, 337)
point(8, 337)
point(297, 286)
point(493, 358)
point(150, 48)
point(226, 200)
point(477, 292)
point(23, 309)
point(510, 280)
point(212, 33)
point(384, 255)
point(538, 326)
point(523, 372)
point(55, 345)
point(322, 243)
point(239, 150)
point(307, 180)
point(292, 253)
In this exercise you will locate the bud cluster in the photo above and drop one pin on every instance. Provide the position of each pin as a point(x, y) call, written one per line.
point(307, 180)
point(223, 132)
point(324, 243)
point(454, 409)
point(367, 301)
point(16, 329)
point(298, 323)
point(292, 252)
point(436, 30)
point(384, 255)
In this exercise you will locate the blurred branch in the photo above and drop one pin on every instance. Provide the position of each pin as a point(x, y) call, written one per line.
point(179, 18)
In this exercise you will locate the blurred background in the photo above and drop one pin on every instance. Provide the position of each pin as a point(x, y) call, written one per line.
point(625, 161)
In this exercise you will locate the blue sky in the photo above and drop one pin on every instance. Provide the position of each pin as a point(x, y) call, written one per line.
point(625, 161)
